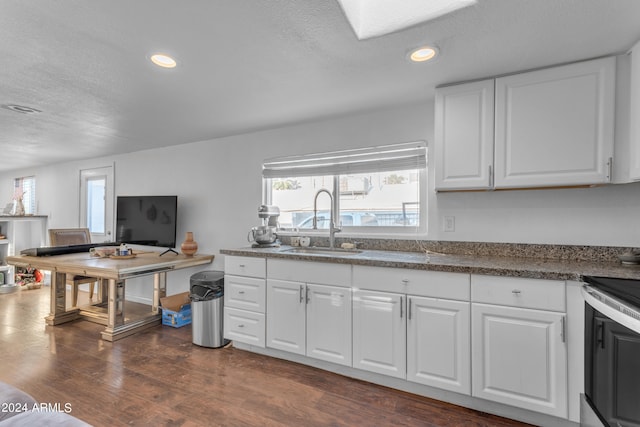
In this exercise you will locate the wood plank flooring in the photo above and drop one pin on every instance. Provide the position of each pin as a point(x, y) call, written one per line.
point(159, 377)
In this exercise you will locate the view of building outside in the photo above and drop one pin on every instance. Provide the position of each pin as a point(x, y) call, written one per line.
point(382, 199)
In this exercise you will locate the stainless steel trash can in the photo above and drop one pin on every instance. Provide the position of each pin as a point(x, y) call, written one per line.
point(207, 306)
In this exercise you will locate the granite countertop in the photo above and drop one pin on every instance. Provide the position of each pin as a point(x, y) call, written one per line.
point(536, 268)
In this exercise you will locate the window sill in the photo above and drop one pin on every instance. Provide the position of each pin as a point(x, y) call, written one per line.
point(363, 233)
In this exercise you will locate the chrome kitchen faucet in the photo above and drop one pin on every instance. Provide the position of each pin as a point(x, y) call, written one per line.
point(332, 224)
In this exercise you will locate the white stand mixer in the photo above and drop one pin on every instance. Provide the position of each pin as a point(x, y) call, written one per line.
point(264, 235)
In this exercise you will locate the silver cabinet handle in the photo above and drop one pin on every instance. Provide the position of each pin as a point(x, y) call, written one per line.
point(405, 281)
point(516, 292)
point(409, 308)
point(240, 326)
point(241, 292)
point(401, 304)
point(307, 296)
point(301, 294)
point(241, 266)
point(491, 178)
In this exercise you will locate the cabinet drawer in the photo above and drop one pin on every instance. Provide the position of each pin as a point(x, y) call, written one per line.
point(247, 293)
point(310, 272)
point(519, 292)
point(433, 284)
point(245, 266)
point(244, 326)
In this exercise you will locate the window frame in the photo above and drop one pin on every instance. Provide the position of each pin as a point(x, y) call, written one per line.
point(29, 203)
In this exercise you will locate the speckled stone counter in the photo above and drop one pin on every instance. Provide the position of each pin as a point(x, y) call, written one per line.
point(543, 267)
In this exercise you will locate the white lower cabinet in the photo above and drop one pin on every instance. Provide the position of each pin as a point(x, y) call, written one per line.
point(244, 300)
point(519, 353)
point(244, 326)
point(329, 323)
point(414, 325)
point(286, 316)
point(379, 332)
point(502, 339)
point(309, 319)
point(438, 343)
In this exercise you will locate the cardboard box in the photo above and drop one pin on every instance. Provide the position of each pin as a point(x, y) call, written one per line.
point(176, 310)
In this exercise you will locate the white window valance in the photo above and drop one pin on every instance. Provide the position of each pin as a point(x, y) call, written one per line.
point(411, 155)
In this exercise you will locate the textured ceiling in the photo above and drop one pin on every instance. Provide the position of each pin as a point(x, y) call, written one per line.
point(246, 65)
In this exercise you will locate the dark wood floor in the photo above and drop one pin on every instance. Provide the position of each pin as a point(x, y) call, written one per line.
point(159, 377)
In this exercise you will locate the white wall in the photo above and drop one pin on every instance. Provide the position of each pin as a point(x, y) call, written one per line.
point(219, 189)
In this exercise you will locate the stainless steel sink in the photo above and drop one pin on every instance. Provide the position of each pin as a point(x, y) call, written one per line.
point(320, 250)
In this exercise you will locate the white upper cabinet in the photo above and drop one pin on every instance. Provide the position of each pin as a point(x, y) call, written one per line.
point(464, 136)
point(553, 127)
point(635, 113)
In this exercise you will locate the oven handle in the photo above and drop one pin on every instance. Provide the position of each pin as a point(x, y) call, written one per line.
point(611, 307)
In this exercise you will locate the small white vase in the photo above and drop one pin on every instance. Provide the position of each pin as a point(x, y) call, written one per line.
point(18, 208)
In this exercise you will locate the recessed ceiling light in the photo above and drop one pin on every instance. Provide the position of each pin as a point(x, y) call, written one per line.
point(424, 53)
point(163, 60)
point(21, 109)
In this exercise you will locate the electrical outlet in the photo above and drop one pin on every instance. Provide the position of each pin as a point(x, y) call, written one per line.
point(449, 223)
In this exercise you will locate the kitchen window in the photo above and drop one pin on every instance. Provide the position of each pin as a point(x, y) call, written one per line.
point(380, 190)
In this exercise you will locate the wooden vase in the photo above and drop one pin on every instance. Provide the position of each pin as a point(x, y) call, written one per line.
point(189, 247)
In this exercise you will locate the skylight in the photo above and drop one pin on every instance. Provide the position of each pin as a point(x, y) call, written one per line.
point(373, 18)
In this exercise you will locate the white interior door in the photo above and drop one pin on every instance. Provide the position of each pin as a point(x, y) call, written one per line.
point(97, 202)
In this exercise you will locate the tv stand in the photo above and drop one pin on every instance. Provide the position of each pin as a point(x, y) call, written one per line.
point(168, 250)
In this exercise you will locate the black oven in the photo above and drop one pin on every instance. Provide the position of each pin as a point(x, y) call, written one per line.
point(612, 353)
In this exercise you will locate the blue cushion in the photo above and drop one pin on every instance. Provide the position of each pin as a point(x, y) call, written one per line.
point(13, 401)
point(43, 419)
point(17, 410)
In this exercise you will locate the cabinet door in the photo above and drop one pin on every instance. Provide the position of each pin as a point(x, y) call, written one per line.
point(286, 315)
point(379, 332)
point(520, 358)
point(464, 123)
point(439, 343)
point(555, 126)
point(329, 323)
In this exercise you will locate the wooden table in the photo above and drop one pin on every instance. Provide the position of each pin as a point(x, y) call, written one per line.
point(112, 275)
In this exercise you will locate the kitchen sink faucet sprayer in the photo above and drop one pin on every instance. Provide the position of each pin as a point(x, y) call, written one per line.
point(332, 222)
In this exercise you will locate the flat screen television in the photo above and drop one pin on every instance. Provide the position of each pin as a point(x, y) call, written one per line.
point(147, 220)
